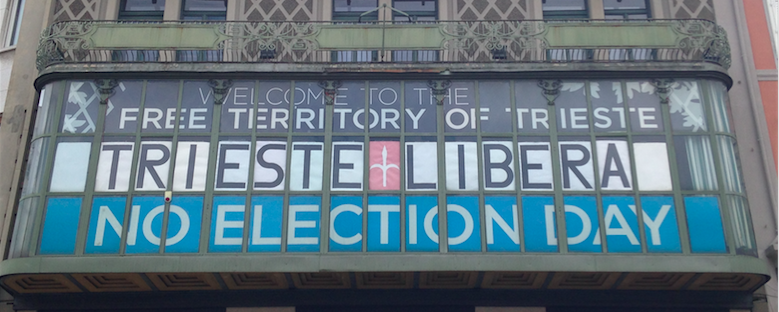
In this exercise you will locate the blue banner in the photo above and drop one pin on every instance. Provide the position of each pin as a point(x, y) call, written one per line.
point(660, 225)
point(581, 224)
point(265, 233)
point(106, 223)
point(704, 223)
point(185, 216)
point(463, 223)
point(621, 224)
point(384, 223)
point(227, 222)
point(303, 223)
point(421, 223)
point(143, 234)
point(539, 222)
point(502, 223)
point(346, 223)
point(60, 226)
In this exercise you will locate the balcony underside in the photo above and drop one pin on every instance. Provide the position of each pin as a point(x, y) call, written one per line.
point(343, 71)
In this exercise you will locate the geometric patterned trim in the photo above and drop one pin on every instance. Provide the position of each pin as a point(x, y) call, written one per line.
point(184, 281)
point(584, 280)
point(40, 283)
point(255, 280)
point(514, 280)
point(655, 281)
point(384, 280)
point(106, 282)
point(447, 280)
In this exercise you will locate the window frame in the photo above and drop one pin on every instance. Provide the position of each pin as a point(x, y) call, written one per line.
point(14, 22)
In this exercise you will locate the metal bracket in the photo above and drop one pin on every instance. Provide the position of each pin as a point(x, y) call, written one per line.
point(106, 88)
point(220, 87)
point(663, 89)
point(551, 89)
point(439, 88)
point(331, 89)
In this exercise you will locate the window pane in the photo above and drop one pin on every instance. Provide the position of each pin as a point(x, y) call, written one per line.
point(17, 23)
point(414, 5)
point(696, 163)
point(624, 4)
point(563, 5)
point(143, 5)
point(354, 5)
point(205, 5)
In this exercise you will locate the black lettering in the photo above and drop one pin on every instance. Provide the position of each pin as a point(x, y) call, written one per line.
point(306, 148)
point(526, 167)
point(505, 166)
point(410, 172)
point(261, 161)
point(145, 164)
point(461, 165)
point(223, 165)
point(337, 165)
point(612, 156)
point(191, 166)
point(115, 150)
point(571, 165)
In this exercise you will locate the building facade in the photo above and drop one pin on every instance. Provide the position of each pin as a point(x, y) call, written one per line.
point(355, 155)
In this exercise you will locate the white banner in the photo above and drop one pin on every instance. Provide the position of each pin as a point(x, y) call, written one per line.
point(462, 166)
point(153, 166)
point(71, 161)
point(113, 167)
point(191, 168)
point(654, 172)
point(576, 165)
point(421, 166)
point(270, 164)
point(306, 166)
point(232, 167)
point(614, 165)
point(535, 166)
point(347, 166)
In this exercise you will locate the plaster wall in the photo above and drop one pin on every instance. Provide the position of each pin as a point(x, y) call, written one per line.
point(751, 128)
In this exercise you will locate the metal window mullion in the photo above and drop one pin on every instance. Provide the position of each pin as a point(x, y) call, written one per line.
point(133, 171)
point(634, 169)
point(678, 199)
point(43, 190)
point(727, 219)
point(562, 235)
point(171, 167)
point(324, 225)
point(401, 144)
point(517, 174)
point(443, 233)
point(287, 167)
point(248, 207)
point(596, 170)
point(480, 170)
point(366, 164)
point(89, 187)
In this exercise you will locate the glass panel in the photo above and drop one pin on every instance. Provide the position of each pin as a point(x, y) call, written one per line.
point(205, 5)
point(143, 5)
point(571, 105)
point(730, 172)
point(644, 107)
point(35, 164)
point(123, 113)
point(71, 163)
point(79, 112)
point(720, 102)
point(564, 5)
point(384, 103)
point(43, 119)
point(349, 107)
point(695, 163)
point(238, 112)
point(687, 111)
point(197, 107)
point(415, 5)
point(17, 23)
point(624, 4)
point(354, 5)
point(23, 227)
point(495, 106)
point(532, 106)
point(608, 107)
point(159, 111)
point(309, 107)
point(460, 108)
point(420, 107)
point(741, 224)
